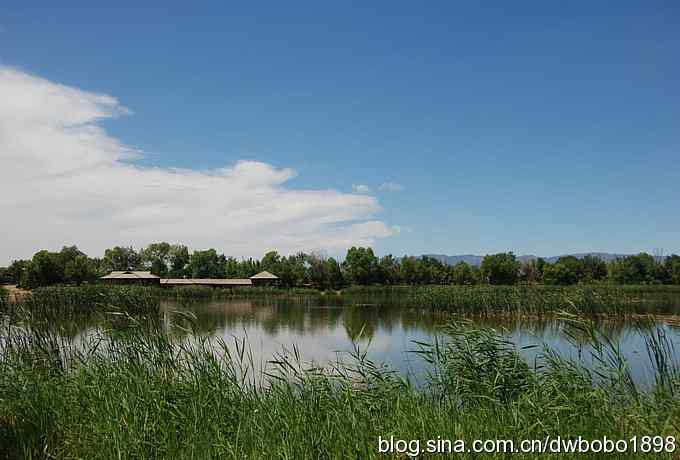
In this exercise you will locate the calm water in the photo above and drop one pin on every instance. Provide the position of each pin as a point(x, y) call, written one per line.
point(327, 330)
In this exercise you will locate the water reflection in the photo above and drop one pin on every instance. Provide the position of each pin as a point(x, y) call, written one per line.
point(325, 330)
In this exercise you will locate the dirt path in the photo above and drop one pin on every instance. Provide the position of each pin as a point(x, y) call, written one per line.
point(15, 293)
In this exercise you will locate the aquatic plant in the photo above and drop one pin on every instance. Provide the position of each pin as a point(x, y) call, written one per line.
point(136, 394)
point(4, 297)
point(540, 300)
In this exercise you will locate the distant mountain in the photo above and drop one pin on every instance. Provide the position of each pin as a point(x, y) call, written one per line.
point(477, 260)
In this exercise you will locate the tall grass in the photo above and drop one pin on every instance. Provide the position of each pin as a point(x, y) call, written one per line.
point(70, 307)
point(4, 298)
point(135, 394)
point(540, 300)
point(207, 292)
point(67, 301)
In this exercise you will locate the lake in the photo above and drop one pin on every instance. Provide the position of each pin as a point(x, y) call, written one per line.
point(326, 330)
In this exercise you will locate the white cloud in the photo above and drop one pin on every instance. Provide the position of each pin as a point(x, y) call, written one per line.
point(64, 180)
point(361, 188)
point(391, 187)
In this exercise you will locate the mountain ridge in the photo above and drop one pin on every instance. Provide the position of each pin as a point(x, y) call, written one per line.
point(476, 260)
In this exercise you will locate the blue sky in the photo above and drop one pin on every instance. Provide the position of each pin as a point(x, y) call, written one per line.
point(540, 127)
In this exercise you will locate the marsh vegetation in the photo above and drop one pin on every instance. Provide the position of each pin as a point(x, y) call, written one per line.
point(137, 394)
point(139, 372)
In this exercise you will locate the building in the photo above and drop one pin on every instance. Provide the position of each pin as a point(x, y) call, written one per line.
point(265, 279)
point(212, 282)
point(147, 278)
point(132, 277)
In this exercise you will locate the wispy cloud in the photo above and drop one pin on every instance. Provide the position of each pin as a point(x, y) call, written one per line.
point(391, 187)
point(361, 188)
point(64, 180)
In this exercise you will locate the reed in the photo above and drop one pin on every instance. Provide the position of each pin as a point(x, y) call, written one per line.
point(540, 300)
point(67, 301)
point(4, 298)
point(206, 292)
point(136, 394)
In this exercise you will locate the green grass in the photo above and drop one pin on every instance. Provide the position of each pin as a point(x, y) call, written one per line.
point(206, 292)
point(590, 300)
point(4, 298)
point(541, 300)
point(134, 394)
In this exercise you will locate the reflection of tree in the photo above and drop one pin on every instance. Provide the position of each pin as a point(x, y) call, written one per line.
point(358, 325)
point(361, 317)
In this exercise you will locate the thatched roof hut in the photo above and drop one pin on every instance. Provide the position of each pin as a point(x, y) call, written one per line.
point(264, 278)
point(131, 277)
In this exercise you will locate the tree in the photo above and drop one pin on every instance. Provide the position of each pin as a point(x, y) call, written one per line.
point(248, 267)
point(4, 275)
point(297, 268)
point(672, 264)
point(317, 270)
point(528, 272)
point(565, 271)
point(594, 268)
point(157, 258)
point(540, 266)
point(179, 260)
point(501, 268)
point(637, 269)
point(205, 264)
point(79, 270)
point(16, 269)
point(408, 270)
point(121, 258)
point(559, 274)
point(462, 274)
point(231, 267)
point(45, 269)
point(361, 265)
point(69, 254)
point(388, 270)
point(334, 278)
point(271, 262)
point(431, 271)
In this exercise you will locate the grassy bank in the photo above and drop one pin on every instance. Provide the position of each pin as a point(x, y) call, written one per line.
point(135, 395)
point(64, 301)
point(543, 300)
point(4, 297)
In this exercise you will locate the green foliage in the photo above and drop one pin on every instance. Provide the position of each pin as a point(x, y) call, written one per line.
point(121, 258)
point(638, 269)
point(79, 270)
point(463, 274)
point(672, 265)
point(179, 260)
point(502, 268)
point(157, 258)
point(206, 264)
point(63, 301)
point(333, 274)
point(480, 365)
point(408, 270)
point(16, 269)
point(594, 268)
point(539, 300)
point(388, 270)
point(4, 298)
point(361, 266)
point(323, 273)
point(137, 394)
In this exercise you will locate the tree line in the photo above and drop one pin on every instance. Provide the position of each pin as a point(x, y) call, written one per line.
point(360, 267)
